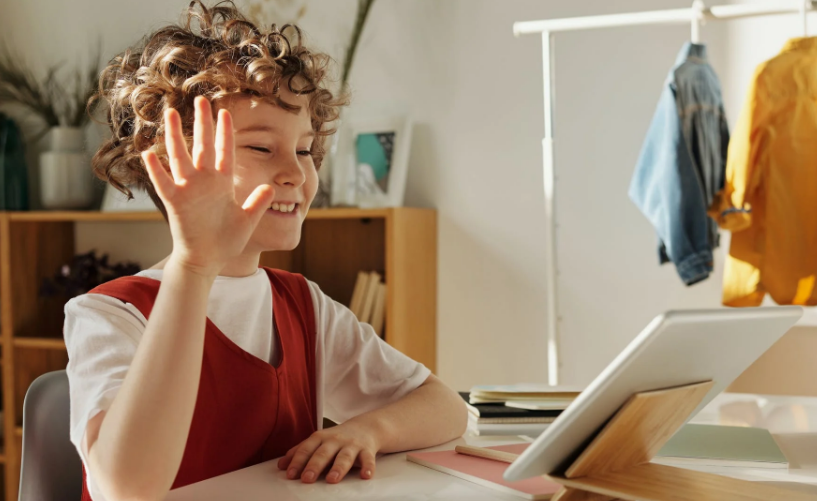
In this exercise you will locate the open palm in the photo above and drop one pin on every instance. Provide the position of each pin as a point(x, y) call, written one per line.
point(208, 225)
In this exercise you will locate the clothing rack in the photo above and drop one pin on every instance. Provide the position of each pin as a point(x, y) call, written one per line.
point(697, 15)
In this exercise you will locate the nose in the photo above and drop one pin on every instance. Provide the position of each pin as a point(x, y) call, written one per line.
point(289, 172)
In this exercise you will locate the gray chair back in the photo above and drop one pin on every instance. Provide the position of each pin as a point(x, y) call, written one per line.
point(50, 468)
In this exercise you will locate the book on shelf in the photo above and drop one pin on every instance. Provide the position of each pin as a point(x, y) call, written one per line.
point(370, 298)
point(379, 311)
point(359, 293)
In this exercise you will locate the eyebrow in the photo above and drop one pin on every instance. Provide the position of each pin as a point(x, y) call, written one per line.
point(268, 128)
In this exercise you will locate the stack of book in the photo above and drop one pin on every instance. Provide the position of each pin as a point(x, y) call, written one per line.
point(369, 300)
point(516, 409)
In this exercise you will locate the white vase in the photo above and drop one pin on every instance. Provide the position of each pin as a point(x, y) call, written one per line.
point(343, 165)
point(66, 180)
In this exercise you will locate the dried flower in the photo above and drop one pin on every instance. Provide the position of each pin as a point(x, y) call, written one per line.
point(85, 272)
point(50, 100)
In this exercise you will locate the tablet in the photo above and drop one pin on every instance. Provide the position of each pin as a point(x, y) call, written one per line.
point(675, 349)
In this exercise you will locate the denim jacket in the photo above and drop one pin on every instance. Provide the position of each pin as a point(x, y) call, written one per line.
point(682, 163)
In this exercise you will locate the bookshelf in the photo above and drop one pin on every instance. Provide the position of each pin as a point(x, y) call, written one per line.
point(398, 243)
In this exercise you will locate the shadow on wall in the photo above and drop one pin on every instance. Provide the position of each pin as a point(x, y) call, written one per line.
point(505, 346)
point(422, 185)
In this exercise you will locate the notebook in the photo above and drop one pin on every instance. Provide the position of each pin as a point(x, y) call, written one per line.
point(515, 420)
point(522, 392)
point(552, 404)
point(486, 413)
point(513, 429)
point(715, 445)
point(486, 472)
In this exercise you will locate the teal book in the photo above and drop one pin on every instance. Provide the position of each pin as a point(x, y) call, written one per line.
point(714, 445)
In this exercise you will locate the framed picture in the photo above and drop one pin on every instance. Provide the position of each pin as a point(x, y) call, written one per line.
point(371, 162)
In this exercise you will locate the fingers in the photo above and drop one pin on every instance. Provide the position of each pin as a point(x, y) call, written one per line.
point(258, 202)
point(161, 180)
point(180, 162)
point(319, 461)
point(312, 456)
point(283, 463)
point(367, 460)
point(301, 456)
point(225, 143)
point(343, 462)
point(204, 150)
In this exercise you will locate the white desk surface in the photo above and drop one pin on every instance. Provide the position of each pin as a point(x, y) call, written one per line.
point(793, 421)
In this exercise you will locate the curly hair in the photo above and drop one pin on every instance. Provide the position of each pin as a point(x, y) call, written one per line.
point(215, 52)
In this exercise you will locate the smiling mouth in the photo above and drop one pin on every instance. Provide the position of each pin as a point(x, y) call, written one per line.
point(284, 209)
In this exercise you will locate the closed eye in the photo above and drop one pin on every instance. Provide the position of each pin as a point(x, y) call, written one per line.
point(259, 148)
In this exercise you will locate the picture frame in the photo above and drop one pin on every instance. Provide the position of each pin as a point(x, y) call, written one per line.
point(370, 165)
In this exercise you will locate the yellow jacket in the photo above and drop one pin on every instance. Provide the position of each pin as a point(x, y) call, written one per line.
point(769, 200)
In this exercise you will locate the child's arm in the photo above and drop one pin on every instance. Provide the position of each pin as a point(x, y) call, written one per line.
point(135, 449)
point(430, 415)
point(386, 401)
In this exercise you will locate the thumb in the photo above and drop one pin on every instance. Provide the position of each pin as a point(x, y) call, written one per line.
point(258, 202)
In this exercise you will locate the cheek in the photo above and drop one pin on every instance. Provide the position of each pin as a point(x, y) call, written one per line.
point(311, 183)
point(244, 182)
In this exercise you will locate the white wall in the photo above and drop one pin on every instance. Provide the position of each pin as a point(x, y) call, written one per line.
point(475, 93)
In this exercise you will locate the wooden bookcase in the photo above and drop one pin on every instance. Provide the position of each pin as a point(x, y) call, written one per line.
point(399, 243)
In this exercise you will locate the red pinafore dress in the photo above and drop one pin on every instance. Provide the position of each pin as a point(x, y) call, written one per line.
point(247, 411)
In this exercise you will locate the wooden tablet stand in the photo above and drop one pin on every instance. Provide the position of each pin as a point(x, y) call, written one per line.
point(616, 465)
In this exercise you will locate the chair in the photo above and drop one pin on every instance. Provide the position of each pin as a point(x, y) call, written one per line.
point(50, 466)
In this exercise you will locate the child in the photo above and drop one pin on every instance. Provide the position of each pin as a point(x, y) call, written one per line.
point(206, 363)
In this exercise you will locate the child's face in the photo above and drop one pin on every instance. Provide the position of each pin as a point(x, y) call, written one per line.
point(273, 146)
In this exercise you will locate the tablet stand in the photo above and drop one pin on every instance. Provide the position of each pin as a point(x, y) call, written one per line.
point(616, 464)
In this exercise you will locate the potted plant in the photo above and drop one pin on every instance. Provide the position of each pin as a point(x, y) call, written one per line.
point(59, 103)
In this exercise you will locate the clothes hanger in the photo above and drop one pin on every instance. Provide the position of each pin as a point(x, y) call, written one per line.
point(698, 9)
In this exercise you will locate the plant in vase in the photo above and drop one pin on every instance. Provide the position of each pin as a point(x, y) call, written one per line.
point(330, 190)
point(60, 104)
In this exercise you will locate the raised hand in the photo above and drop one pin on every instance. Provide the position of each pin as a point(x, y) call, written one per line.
point(208, 225)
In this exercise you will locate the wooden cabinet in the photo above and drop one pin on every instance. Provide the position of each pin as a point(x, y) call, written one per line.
point(399, 243)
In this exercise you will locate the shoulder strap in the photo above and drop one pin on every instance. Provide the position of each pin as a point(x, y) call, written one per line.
point(138, 291)
point(294, 289)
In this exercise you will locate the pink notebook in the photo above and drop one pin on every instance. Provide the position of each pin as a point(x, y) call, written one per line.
point(486, 472)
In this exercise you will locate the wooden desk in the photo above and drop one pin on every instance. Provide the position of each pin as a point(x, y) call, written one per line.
point(396, 478)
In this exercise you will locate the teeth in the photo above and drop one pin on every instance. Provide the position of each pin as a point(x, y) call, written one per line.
point(283, 207)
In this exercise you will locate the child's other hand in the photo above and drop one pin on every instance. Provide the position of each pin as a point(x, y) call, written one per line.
point(343, 446)
point(209, 226)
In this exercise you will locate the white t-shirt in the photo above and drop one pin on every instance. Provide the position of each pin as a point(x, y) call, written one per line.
point(356, 370)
